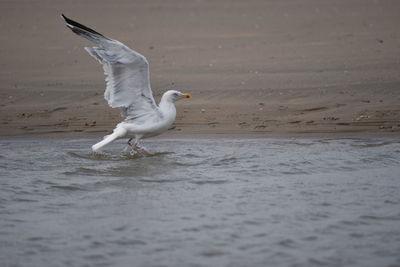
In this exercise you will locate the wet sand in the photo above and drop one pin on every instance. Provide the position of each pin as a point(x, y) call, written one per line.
point(254, 68)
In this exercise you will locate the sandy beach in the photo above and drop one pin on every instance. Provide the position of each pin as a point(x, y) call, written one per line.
point(254, 68)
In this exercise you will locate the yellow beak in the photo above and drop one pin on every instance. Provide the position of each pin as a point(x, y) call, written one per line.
point(186, 96)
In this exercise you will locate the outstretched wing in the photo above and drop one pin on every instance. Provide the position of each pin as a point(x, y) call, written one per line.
point(128, 84)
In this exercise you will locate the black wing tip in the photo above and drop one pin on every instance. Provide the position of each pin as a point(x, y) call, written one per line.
point(71, 23)
point(65, 18)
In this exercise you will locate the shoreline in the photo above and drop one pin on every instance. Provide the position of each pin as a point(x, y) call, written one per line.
point(221, 135)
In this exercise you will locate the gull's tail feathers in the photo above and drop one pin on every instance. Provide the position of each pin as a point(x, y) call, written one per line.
point(107, 139)
point(84, 31)
point(118, 133)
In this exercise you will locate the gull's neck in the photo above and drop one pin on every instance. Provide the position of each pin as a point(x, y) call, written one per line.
point(168, 110)
point(167, 105)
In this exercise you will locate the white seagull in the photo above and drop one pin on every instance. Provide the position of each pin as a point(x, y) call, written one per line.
point(128, 88)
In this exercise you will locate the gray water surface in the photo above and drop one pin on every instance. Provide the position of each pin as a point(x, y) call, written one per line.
point(219, 202)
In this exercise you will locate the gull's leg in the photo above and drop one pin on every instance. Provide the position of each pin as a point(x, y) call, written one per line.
point(130, 142)
point(134, 145)
point(139, 149)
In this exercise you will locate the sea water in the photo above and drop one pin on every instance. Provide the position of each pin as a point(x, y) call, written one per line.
point(203, 202)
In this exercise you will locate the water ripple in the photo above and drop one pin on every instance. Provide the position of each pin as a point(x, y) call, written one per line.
point(207, 202)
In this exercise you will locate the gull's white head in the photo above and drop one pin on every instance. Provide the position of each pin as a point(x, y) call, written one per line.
point(173, 95)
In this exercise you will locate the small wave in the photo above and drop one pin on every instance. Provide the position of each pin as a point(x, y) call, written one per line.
point(42, 181)
point(353, 223)
point(204, 182)
point(287, 243)
point(24, 200)
point(297, 143)
point(86, 171)
point(233, 159)
point(161, 181)
point(225, 161)
point(294, 172)
point(212, 253)
point(310, 238)
point(378, 144)
point(120, 228)
point(36, 238)
point(67, 187)
point(183, 164)
point(129, 242)
point(95, 257)
point(356, 235)
point(114, 157)
point(378, 218)
point(189, 155)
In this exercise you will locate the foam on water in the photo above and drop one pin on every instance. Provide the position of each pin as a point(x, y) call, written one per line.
point(220, 202)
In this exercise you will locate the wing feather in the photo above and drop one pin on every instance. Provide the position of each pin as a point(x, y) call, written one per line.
point(127, 75)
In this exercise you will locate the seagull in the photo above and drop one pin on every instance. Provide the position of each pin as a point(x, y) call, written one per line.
point(128, 88)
